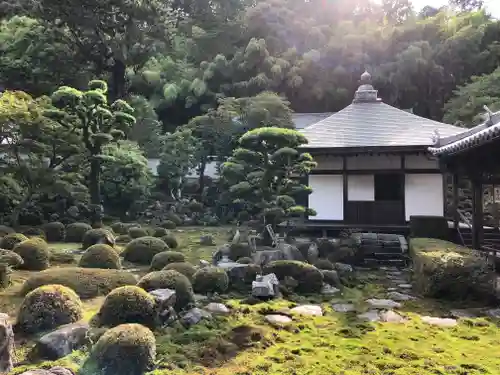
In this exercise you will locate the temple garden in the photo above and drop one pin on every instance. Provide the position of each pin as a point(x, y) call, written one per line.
point(133, 299)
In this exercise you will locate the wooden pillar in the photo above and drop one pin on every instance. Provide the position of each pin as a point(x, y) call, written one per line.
point(477, 213)
point(345, 188)
point(456, 215)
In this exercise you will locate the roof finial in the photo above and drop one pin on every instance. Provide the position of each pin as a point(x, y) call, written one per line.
point(366, 78)
point(365, 92)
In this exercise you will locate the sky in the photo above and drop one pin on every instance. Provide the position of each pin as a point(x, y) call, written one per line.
point(492, 6)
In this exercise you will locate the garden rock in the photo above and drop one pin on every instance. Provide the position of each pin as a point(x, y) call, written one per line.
point(217, 308)
point(265, 286)
point(6, 345)
point(343, 307)
point(370, 316)
point(312, 253)
point(405, 286)
point(383, 303)
point(53, 371)
point(277, 319)
point(207, 240)
point(165, 298)
point(200, 297)
point(263, 257)
point(462, 313)
point(397, 296)
point(329, 290)
point(63, 341)
point(342, 267)
point(390, 316)
point(221, 252)
point(309, 310)
point(441, 322)
point(494, 313)
point(204, 263)
point(194, 316)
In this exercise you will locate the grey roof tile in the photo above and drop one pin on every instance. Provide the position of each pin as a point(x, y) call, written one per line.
point(302, 120)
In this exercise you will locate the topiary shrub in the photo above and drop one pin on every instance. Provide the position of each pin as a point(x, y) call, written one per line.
point(100, 256)
point(171, 241)
point(164, 258)
point(127, 304)
point(136, 232)
point(309, 278)
point(48, 307)
point(332, 278)
point(55, 231)
point(239, 250)
point(11, 240)
point(34, 232)
point(76, 231)
point(35, 253)
point(160, 232)
point(170, 280)
point(10, 258)
point(169, 224)
point(97, 236)
point(173, 217)
point(142, 250)
point(324, 264)
point(5, 272)
point(245, 260)
point(86, 282)
point(5, 230)
point(128, 349)
point(187, 269)
point(119, 228)
point(210, 280)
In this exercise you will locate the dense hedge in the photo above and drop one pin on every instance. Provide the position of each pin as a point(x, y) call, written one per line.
point(309, 278)
point(11, 240)
point(142, 250)
point(100, 256)
point(169, 224)
point(86, 282)
point(120, 228)
point(429, 227)
point(48, 307)
point(34, 232)
point(171, 241)
point(123, 238)
point(187, 269)
point(76, 231)
point(97, 236)
point(160, 232)
point(128, 349)
point(442, 269)
point(240, 250)
point(210, 280)
point(127, 304)
point(35, 254)
point(170, 280)
point(55, 231)
point(136, 232)
point(5, 230)
point(164, 258)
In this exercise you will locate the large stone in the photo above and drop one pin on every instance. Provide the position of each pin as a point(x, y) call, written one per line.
point(6, 344)
point(309, 310)
point(164, 297)
point(441, 322)
point(329, 290)
point(382, 303)
point(343, 307)
point(217, 308)
point(291, 252)
point(462, 313)
point(263, 257)
point(194, 316)
point(53, 371)
point(62, 341)
point(397, 296)
point(370, 316)
point(343, 268)
point(265, 286)
point(221, 252)
point(390, 316)
point(405, 286)
point(277, 319)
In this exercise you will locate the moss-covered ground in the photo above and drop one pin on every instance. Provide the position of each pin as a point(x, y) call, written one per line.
point(243, 343)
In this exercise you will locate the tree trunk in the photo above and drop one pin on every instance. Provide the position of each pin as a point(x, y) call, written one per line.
point(201, 179)
point(14, 218)
point(118, 81)
point(95, 179)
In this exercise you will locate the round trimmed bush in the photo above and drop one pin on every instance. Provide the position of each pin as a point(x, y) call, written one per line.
point(171, 241)
point(35, 253)
point(86, 282)
point(309, 278)
point(97, 236)
point(76, 231)
point(123, 238)
point(187, 269)
point(5, 230)
point(34, 232)
point(100, 256)
point(142, 250)
point(137, 232)
point(324, 264)
point(128, 349)
point(48, 307)
point(168, 224)
point(210, 280)
point(172, 216)
point(160, 232)
point(170, 280)
point(55, 231)
point(127, 304)
point(11, 240)
point(239, 250)
point(10, 258)
point(245, 260)
point(119, 228)
point(164, 258)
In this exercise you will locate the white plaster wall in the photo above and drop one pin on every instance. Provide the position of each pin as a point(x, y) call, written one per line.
point(330, 163)
point(423, 195)
point(421, 161)
point(374, 162)
point(210, 169)
point(361, 188)
point(327, 197)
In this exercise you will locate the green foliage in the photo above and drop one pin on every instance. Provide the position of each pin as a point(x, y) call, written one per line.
point(127, 349)
point(127, 304)
point(76, 231)
point(429, 227)
point(123, 238)
point(210, 280)
point(11, 240)
point(240, 250)
point(120, 228)
point(171, 241)
point(136, 232)
point(147, 129)
point(48, 307)
point(309, 278)
point(10, 258)
point(55, 231)
point(324, 264)
point(86, 282)
point(170, 280)
point(35, 232)
point(97, 236)
point(185, 268)
point(142, 250)
point(169, 224)
point(35, 254)
point(164, 258)
point(440, 269)
point(159, 232)
point(5, 230)
point(100, 256)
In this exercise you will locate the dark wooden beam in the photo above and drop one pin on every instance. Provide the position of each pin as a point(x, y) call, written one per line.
point(477, 213)
point(456, 215)
point(375, 171)
point(403, 184)
point(345, 187)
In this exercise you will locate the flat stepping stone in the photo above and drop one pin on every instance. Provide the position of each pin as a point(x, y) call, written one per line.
point(343, 307)
point(462, 313)
point(390, 316)
point(394, 273)
point(309, 310)
point(392, 289)
point(440, 322)
point(370, 316)
point(405, 286)
point(217, 308)
point(494, 313)
point(383, 303)
point(277, 319)
point(397, 296)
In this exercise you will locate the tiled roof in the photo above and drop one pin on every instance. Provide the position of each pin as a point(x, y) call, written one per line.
point(368, 122)
point(302, 120)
